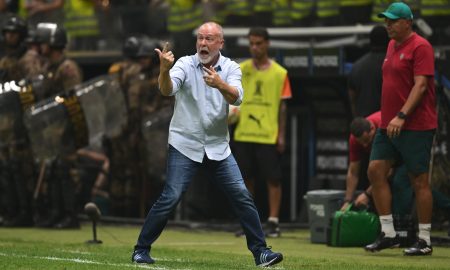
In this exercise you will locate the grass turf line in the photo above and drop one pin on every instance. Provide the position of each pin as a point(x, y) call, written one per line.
point(189, 249)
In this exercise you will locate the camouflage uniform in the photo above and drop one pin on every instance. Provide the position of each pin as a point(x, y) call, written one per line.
point(61, 76)
point(16, 164)
point(16, 170)
point(13, 31)
point(128, 152)
point(124, 150)
point(9, 66)
point(32, 64)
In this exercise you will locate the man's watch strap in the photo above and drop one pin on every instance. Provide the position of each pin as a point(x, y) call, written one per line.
point(401, 115)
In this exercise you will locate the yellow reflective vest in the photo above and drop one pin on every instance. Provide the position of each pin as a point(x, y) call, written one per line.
point(327, 8)
point(429, 8)
point(184, 15)
point(80, 18)
point(281, 13)
point(263, 89)
point(301, 8)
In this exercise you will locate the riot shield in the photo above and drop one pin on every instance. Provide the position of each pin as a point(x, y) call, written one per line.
point(38, 85)
point(11, 109)
point(50, 129)
point(104, 107)
point(60, 125)
point(155, 130)
point(440, 159)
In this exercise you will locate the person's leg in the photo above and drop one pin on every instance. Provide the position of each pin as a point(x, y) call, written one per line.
point(7, 198)
point(415, 148)
point(55, 195)
point(245, 156)
point(381, 192)
point(440, 200)
point(381, 160)
point(402, 206)
point(273, 222)
point(275, 193)
point(228, 177)
point(180, 170)
point(68, 196)
point(402, 192)
point(269, 164)
point(424, 204)
point(24, 216)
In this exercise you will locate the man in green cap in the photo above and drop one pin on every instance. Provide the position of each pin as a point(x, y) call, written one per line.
point(408, 124)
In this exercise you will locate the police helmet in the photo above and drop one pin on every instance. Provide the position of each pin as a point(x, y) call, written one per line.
point(15, 24)
point(52, 34)
point(140, 46)
point(147, 48)
point(131, 47)
point(32, 36)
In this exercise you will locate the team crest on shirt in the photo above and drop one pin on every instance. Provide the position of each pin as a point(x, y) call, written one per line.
point(402, 56)
point(258, 88)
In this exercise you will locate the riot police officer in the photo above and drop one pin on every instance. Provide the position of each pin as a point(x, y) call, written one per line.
point(137, 75)
point(16, 170)
point(32, 63)
point(14, 32)
point(61, 75)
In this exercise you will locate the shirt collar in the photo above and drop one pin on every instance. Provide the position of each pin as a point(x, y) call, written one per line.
point(217, 67)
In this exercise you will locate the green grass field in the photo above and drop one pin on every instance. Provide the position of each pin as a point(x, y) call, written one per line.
point(189, 249)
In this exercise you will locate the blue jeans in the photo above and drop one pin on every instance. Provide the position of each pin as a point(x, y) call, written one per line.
point(180, 171)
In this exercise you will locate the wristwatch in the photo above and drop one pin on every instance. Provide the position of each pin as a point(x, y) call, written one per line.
point(401, 115)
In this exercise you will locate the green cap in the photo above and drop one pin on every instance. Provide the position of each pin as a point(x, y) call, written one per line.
point(397, 10)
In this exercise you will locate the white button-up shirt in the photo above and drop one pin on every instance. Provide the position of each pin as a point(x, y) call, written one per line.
point(199, 122)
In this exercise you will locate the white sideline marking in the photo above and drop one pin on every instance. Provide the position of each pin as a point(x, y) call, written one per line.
point(77, 260)
point(199, 243)
point(77, 252)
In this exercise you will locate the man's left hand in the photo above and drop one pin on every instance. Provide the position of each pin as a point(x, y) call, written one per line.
point(211, 77)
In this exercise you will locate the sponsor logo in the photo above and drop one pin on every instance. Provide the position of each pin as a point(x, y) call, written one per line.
point(326, 61)
point(297, 61)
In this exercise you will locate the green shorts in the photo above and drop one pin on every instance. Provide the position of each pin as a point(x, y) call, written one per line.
point(412, 148)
